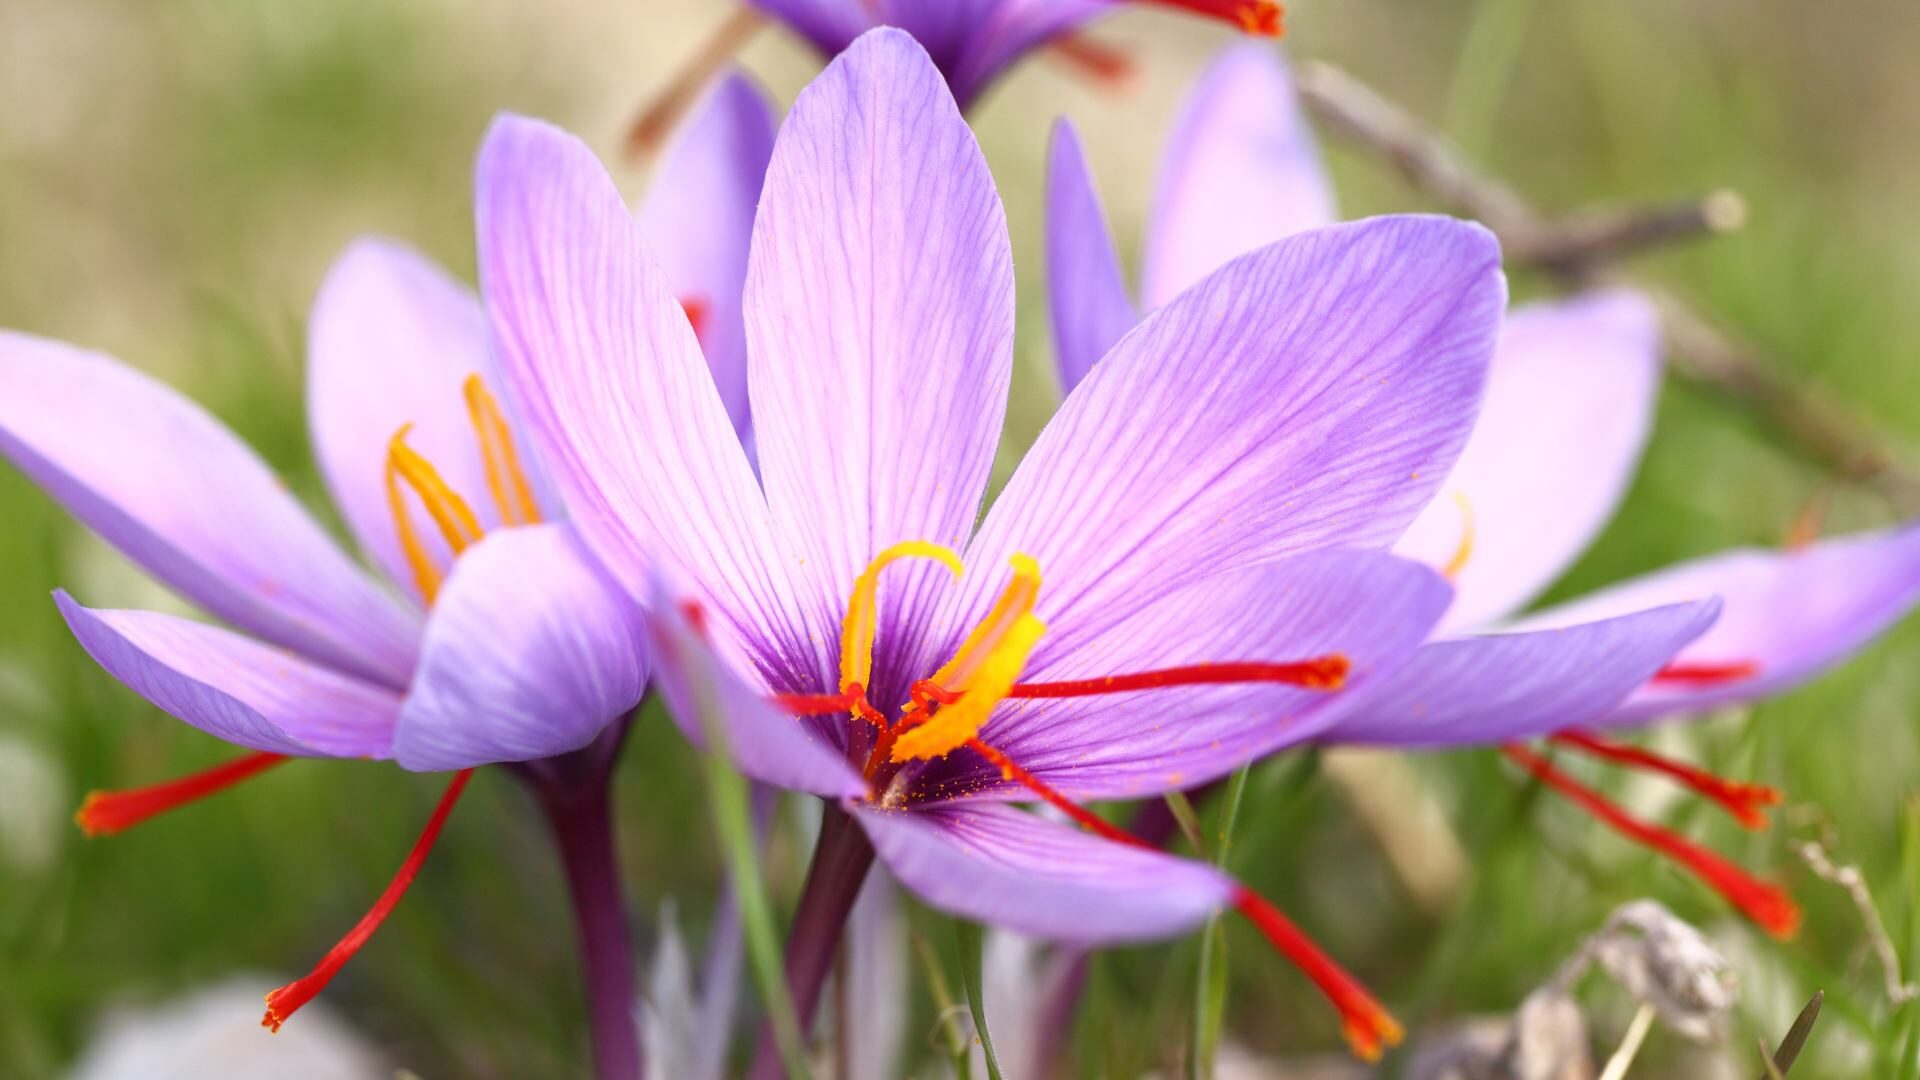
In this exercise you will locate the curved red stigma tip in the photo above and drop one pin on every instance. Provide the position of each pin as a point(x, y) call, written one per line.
point(1368, 1027)
point(106, 812)
point(1747, 802)
point(1262, 18)
point(1768, 905)
point(287, 1000)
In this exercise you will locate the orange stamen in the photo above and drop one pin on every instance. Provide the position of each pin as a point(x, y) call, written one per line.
point(1262, 18)
point(1768, 905)
point(106, 812)
point(512, 492)
point(1108, 65)
point(1706, 674)
point(1367, 1025)
point(1745, 801)
point(284, 1002)
point(1363, 1020)
point(1464, 552)
point(1320, 673)
point(696, 310)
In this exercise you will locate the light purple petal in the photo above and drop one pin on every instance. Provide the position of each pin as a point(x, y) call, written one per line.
point(1014, 29)
point(1242, 170)
point(392, 341)
point(1791, 614)
point(617, 395)
point(1310, 395)
point(880, 325)
point(1479, 691)
point(235, 688)
point(1569, 401)
point(1373, 609)
point(1021, 872)
point(698, 214)
point(701, 686)
point(530, 651)
point(1086, 292)
point(166, 483)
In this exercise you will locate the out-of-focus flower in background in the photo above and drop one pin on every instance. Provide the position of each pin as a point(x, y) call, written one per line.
point(209, 1034)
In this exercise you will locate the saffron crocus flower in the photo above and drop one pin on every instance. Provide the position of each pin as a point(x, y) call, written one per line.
point(973, 41)
point(1157, 596)
point(494, 637)
point(1569, 400)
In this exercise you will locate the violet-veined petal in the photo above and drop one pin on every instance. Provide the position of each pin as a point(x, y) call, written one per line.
point(162, 480)
point(698, 214)
point(1789, 615)
point(235, 688)
point(1312, 394)
point(1022, 872)
point(880, 324)
point(1087, 299)
point(617, 396)
point(530, 651)
point(1370, 609)
point(1241, 170)
point(702, 686)
point(1570, 398)
point(1478, 691)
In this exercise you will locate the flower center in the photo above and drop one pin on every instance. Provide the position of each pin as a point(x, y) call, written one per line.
point(506, 481)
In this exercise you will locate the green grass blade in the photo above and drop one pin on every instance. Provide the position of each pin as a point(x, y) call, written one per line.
point(972, 956)
point(1210, 985)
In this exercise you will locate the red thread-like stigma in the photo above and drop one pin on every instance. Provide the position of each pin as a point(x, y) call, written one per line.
point(107, 812)
point(1319, 673)
point(1706, 674)
point(288, 999)
point(1261, 18)
point(1367, 1025)
point(1747, 802)
point(1768, 905)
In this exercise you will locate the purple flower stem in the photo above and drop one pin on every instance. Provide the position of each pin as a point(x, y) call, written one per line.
point(573, 792)
point(840, 863)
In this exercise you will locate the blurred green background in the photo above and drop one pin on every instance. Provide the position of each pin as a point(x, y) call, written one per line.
point(174, 179)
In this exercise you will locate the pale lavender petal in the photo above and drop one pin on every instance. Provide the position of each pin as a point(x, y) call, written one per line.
point(1479, 691)
point(1790, 614)
point(235, 688)
point(1312, 394)
point(392, 341)
point(1570, 399)
point(1241, 170)
point(700, 686)
point(1087, 296)
point(880, 325)
point(1373, 609)
point(698, 214)
point(166, 483)
point(530, 651)
point(1013, 29)
point(617, 395)
point(1021, 872)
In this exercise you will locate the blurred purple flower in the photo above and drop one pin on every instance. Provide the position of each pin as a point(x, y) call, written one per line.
point(1569, 400)
point(1188, 506)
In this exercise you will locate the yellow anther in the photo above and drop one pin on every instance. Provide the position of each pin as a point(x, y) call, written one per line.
point(994, 674)
point(1015, 602)
point(856, 634)
point(448, 510)
point(512, 492)
point(1465, 551)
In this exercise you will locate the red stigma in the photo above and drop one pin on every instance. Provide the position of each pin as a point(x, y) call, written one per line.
point(287, 1000)
point(1706, 674)
point(106, 812)
point(697, 312)
point(1768, 905)
point(1111, 67)
point(1261, 18)
point(1747, 802)
point(1320, 673)
point(1368, 1027)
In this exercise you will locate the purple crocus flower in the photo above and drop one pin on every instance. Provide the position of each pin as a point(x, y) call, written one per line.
point(494, 637)
point(1569, 401)
point(1187, 508)
point(973, 41)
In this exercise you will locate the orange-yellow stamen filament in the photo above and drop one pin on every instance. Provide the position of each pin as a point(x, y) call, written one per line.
point(1768, 905)
point(107, 812)
point(988, 684)
point(1014, 604)
point(447, 509)
point(1747, 802)
point(856, 633)
point(288, 999)
point(512, 492)
point(1461, 554)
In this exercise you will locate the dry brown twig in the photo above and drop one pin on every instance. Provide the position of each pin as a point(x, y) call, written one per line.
point(1582, 249)
point(1848, 877)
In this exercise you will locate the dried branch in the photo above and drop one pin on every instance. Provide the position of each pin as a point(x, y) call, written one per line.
point(1849, 878)
point(1581, 250)
point(659, 116)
